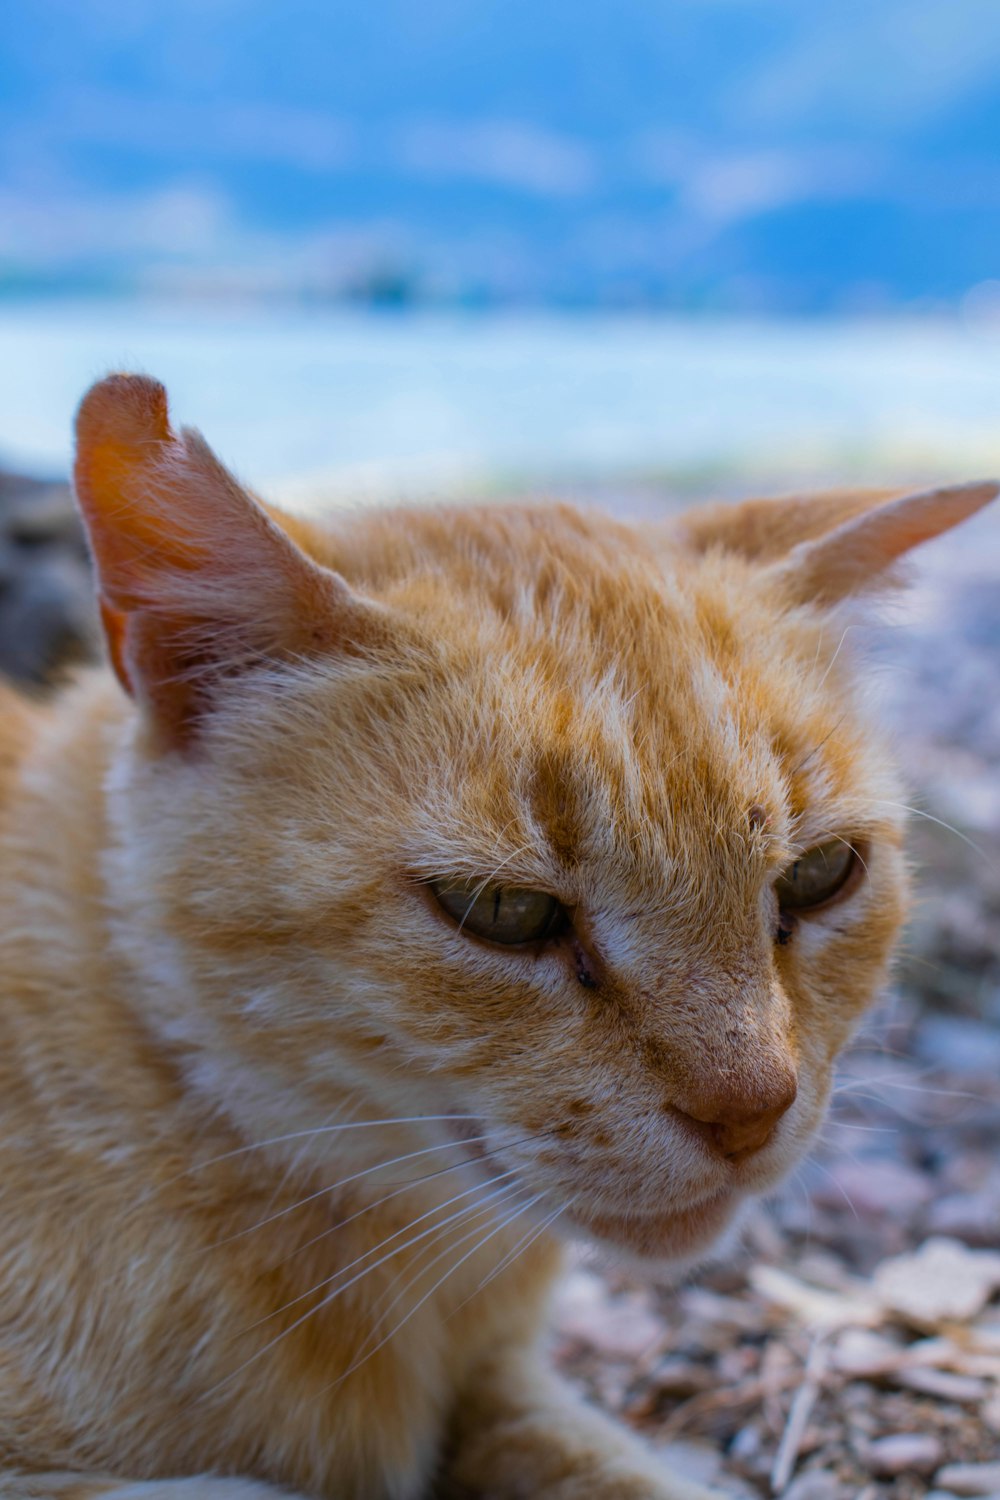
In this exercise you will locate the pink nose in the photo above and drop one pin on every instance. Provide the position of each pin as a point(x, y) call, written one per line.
point(735, 1127)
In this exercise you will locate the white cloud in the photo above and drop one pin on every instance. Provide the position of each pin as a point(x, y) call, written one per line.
point(183, 220)
point(719, 185)
point(508, 152)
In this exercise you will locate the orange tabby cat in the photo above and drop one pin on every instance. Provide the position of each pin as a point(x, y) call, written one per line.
point(416, 889)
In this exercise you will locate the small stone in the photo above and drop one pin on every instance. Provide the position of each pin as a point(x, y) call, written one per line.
point(680, 1377)
point(810, 1304)
point(876, 1189)
point(944, 1280)
point(947, 1386)
point(698, 1461)
point(972, 1217)
point(904, 1453)
point(990, 1413)
point(970, 1479)
point(858, 1352)
point(814, 1486)
point(617, 1327)
point(746, 1444)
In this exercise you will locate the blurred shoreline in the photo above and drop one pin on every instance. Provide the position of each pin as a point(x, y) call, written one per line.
point(318, 404)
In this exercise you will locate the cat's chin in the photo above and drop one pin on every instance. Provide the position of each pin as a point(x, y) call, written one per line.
point(682, 1235)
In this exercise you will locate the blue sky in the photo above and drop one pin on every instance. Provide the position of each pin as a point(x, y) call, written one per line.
point(759, 154)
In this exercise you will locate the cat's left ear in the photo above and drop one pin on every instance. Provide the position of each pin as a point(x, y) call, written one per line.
point(822, 548)
point(858, 554)
point(196, 582)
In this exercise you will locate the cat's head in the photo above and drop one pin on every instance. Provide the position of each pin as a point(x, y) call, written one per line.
point(575, 832)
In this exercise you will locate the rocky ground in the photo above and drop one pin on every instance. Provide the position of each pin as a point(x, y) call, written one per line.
point(853, 1347)
point(46, 608)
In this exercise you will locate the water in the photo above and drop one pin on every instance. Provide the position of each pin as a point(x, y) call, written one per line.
point(320, 401)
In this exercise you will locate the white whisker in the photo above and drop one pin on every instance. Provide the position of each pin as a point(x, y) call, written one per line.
point(476, 1212)
point(374, 1250)
point(370, 1353)
point(337, 1292)
point(344, 1182)
point(406, 1187)
point(918, 812)
point(523, 1245)
point(298, 1135)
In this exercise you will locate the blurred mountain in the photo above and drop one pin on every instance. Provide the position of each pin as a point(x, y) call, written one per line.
point(733, 153)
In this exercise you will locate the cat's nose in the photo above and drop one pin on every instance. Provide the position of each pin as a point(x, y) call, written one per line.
point(735, 1126)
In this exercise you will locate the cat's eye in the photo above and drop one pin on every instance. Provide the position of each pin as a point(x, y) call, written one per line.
point(816, 876)
point(505, 914)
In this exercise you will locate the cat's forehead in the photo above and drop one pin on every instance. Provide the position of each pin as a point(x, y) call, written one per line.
point(622, 694)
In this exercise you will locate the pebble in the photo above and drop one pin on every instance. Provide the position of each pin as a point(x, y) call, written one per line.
point(944, 1384)
point(698, 1461)
point(746, 1444)
point(904, 1453)
point(944, 1280)
point(970, 1479)
point(622, 1328)
point(680, 1377)
point(46, 596)
point(858, 1352)
point(972, 1217)
point(874, 1188)
point(815, 1486)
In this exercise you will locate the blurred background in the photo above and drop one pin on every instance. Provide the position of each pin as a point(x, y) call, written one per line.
point(430, 242)
point(637, 252)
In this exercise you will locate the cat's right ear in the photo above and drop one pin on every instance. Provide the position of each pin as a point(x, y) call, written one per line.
point(195, 581)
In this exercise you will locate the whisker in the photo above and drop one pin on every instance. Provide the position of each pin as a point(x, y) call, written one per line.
point(918, 812)
point(842, 1124)
point(476, 1212)
point(298, 1135)
point(476, 1188)
point(833, 659)
point(331, 1297)
point(344, 1182)
point(406, 1187)
point(817, 748)
point(523, 1245)
point(838, 1185)
point(855, 1086)
point(369, 1354)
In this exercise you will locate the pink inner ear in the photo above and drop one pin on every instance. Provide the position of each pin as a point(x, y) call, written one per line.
point(123, 443)
point(856, 554)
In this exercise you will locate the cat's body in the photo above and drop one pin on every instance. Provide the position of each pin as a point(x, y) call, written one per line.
point(227, 952)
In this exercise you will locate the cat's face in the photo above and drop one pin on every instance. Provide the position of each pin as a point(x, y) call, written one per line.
point(531, 842)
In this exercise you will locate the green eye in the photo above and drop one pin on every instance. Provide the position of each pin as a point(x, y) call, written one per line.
point(505, 914)
point(816, 876)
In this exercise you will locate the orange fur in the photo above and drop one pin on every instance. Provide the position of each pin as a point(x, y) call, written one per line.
point(221, 962)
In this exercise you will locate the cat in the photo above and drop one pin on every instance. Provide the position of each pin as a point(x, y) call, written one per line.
point(416, 890)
